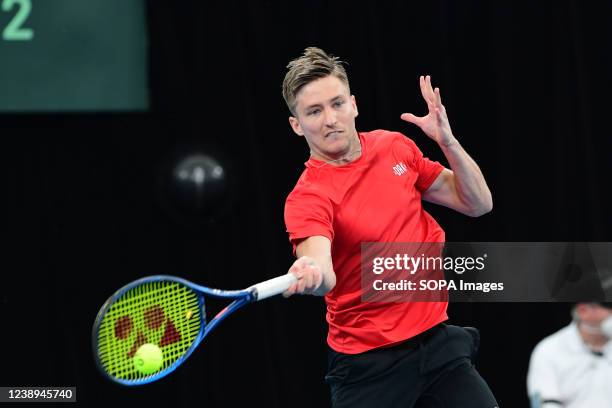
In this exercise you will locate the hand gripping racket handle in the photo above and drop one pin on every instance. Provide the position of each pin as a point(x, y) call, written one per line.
point(273, 286)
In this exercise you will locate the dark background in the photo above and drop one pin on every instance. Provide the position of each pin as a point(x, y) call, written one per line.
point(526, 88)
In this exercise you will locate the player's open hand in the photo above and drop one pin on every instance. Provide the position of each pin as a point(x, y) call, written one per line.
point(309, 277)
point(435, 124)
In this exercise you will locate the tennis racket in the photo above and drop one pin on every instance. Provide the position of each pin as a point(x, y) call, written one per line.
point(167, 316)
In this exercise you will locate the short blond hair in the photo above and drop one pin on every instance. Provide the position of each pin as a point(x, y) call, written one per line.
point(312, 65)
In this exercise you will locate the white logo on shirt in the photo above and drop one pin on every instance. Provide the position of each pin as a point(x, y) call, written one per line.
point(399, 169)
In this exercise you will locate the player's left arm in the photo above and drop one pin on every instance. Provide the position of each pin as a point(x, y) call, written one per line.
point(463, 188)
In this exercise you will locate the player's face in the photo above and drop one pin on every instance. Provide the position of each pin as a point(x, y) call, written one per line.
point(325, 116)
point(602, 313)
point(594, 314)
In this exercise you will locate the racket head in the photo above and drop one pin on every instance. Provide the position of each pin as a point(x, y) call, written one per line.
point(163, 310)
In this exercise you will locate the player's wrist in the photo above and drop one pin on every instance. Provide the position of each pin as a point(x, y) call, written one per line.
point(328, 282)
point(449, 143)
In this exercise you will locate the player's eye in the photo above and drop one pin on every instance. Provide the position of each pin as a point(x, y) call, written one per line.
point(314, 112)
point(338, 104)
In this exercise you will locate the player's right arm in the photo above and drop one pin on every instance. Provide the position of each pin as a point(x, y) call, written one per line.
point(313, 268)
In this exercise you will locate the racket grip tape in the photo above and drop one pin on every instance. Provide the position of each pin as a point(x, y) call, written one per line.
point(273, 286)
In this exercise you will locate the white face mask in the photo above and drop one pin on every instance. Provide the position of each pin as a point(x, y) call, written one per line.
point(604, 328)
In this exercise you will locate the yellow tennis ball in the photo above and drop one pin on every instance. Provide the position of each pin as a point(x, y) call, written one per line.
point(148, 359)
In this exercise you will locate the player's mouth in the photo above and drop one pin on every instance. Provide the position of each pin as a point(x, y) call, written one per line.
point(332, 133)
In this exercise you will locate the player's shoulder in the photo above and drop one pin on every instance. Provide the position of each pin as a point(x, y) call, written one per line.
point(382, 138)
point(381, 135)
point(308, 185)
point(556, 343)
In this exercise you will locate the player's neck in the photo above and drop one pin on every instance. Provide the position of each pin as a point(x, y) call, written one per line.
point(353, 153)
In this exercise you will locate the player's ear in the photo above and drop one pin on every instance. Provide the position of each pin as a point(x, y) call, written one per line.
point(354, 103)
point(295, 125)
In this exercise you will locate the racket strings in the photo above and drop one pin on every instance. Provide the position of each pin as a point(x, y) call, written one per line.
point(163, 313)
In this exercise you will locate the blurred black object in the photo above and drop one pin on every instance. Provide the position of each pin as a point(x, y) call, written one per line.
point(194, 189)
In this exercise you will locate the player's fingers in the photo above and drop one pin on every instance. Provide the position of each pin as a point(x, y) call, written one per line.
point(303, 261)
point(438, 97)
point(430, 91)
point(309, 278)
point(409, 117)
point(300, 286)
point(318, 278)
point(290, 291)
point(426, 91)
point(297, 269)
point(422, 85)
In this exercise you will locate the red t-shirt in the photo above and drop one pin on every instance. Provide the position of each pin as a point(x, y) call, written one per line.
point(376, 198)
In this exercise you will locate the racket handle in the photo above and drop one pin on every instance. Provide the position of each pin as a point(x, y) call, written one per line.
point(273, 286)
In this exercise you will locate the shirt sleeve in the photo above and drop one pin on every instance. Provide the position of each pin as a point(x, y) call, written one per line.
point(308, 214)
point(542, 381)
point(426, 169)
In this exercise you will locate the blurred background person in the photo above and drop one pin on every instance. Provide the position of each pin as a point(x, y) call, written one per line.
point(572, 368)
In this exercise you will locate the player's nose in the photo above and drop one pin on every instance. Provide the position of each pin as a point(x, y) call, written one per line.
point(330, 117)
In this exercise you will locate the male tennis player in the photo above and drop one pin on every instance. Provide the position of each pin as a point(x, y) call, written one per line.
point(367, 187)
